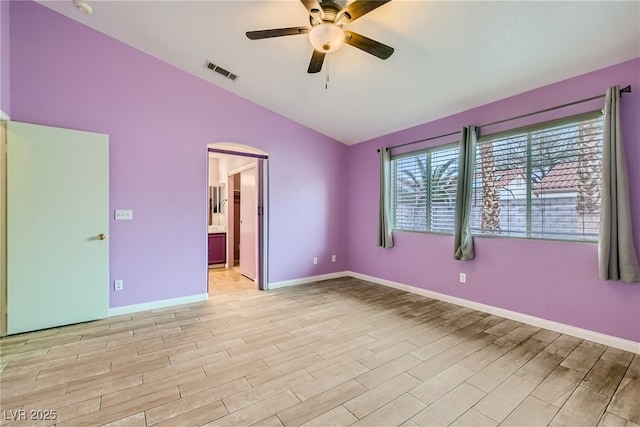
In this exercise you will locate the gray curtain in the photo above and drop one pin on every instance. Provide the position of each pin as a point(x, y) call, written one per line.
point(462, 238)
point(385, 238)
point(617, 259)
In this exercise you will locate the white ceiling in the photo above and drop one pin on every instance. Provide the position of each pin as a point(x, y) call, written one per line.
point(449, 55)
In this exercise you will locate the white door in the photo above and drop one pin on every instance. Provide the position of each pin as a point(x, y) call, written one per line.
point(57, 224)
point(248, 223)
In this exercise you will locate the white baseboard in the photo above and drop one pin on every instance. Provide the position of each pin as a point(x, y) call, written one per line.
point(154, 305)
point(310, 279)
point(4, 116)
point(611, 341)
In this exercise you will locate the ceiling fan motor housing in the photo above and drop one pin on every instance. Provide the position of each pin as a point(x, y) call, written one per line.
point(330, 10)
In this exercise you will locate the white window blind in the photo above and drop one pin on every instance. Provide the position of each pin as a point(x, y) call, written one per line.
point(540, 182)
point(423, 189)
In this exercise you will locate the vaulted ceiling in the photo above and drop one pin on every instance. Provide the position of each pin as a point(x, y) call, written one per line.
point(449, 55)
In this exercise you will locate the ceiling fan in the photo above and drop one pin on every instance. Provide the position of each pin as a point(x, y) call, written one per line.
point(326, 33)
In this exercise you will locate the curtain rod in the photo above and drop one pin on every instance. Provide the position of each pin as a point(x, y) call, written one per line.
point(623, 90)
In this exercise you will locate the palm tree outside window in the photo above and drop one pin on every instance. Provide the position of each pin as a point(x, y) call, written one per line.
point(424, 190)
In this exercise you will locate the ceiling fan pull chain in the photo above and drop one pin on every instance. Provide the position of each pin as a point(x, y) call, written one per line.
point(326, 70)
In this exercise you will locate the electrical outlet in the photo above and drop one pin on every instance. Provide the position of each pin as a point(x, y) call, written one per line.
point(333, 258)
point(117, 285)
point(315, 260)
point(463, 277)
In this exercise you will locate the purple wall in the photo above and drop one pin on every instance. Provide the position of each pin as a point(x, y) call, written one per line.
point(550, 280)
point(160, 120)
point(5, 105)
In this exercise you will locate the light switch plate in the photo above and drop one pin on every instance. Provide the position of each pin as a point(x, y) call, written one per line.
point(123, 215)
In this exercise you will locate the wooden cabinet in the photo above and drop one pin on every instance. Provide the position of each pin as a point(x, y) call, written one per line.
point(217, 248)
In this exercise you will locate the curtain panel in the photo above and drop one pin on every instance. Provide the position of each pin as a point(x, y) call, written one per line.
point(385, 238)
point(617, 258)
point(462, 239)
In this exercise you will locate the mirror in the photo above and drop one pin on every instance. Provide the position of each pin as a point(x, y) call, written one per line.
point(216, 198)
point(217, 201)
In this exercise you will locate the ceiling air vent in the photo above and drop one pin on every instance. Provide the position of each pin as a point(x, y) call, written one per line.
point(221, 71)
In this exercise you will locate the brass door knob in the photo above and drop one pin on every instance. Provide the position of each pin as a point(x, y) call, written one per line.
point(102, 236)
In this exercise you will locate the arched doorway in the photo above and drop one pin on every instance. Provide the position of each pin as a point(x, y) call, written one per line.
point(233, 169)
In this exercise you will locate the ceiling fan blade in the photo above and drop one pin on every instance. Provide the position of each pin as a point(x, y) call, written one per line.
point(312, 6)
point(359, 8)
point(373, 47)
point(277, 32)
point(316, 62)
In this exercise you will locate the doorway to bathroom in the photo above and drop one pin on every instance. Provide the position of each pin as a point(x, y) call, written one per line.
point(236, 218)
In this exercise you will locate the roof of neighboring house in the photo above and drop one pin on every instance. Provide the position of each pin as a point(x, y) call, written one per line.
point(563, 176)
point(507, 176)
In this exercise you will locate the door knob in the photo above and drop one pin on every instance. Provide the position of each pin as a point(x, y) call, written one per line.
point(102, 236)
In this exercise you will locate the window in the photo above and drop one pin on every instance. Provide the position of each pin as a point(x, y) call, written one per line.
point(540, 182)
point(423, 189)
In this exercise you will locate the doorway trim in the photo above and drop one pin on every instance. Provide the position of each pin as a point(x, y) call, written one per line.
point(235, 149)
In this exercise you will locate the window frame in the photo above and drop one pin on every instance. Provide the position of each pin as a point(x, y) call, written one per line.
point(527, 131)
point(393, 193)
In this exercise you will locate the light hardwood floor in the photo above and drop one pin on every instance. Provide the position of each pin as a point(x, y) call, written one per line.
point(332, 353)
point(228, 280)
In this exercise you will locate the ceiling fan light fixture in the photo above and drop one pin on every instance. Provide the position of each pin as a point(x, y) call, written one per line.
point(326, 38)
point(83, 7)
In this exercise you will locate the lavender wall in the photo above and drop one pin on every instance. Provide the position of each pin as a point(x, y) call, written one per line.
point(160, 120)
point(5, 105)
point(550, 280)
